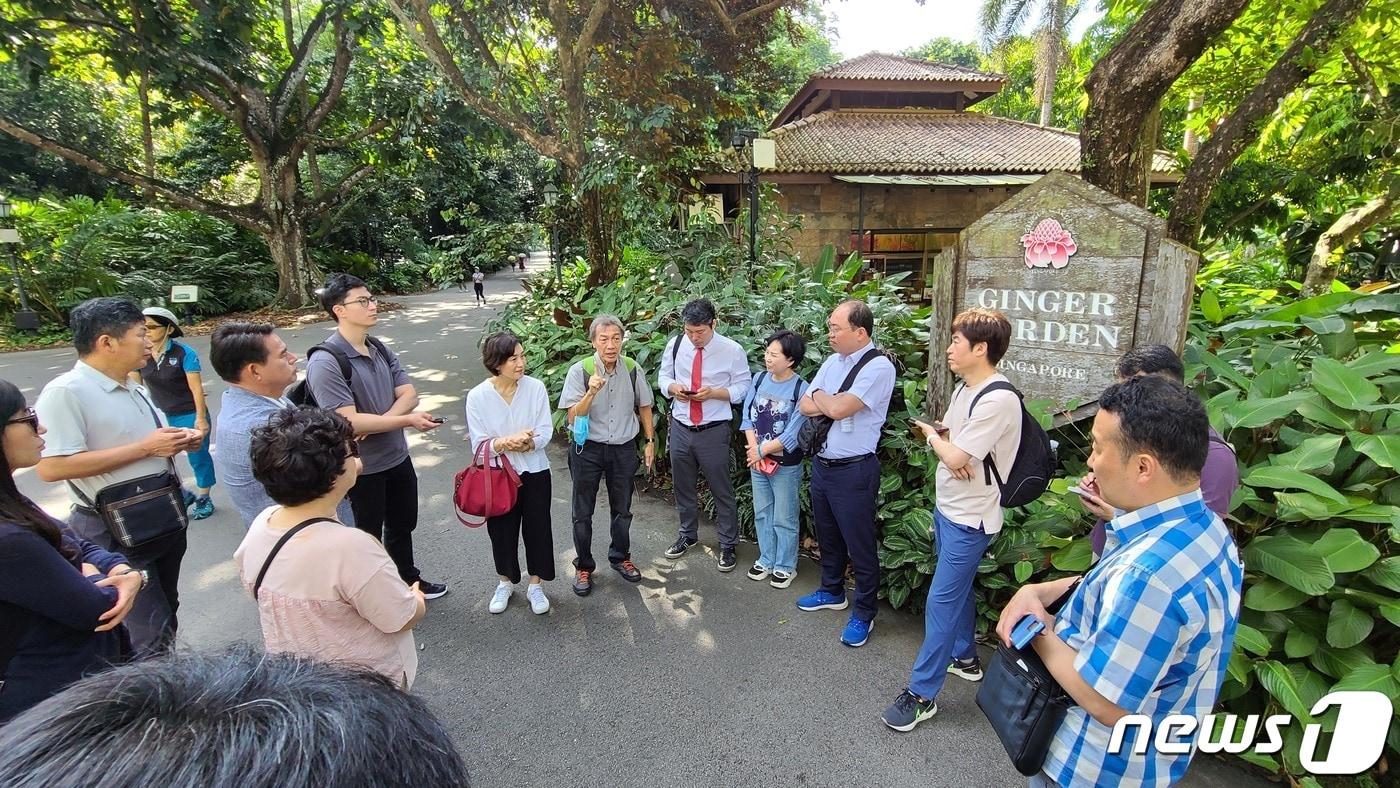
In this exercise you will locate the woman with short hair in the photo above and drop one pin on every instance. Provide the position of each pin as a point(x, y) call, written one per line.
point(323, 590)
point(173, 376)
point(770, 425)
point(510, 412)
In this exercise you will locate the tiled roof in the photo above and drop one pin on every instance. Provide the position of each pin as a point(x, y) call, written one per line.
point(926, 141)
point(877, 65)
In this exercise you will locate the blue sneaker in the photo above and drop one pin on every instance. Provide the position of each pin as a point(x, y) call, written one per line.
point(203, 507)
point(189, 497)
point(856, 632)
point(821, 600)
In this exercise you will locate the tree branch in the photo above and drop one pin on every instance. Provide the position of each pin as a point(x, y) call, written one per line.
point(731, 23)
point(584, 42)
point(1327, 252)
point(334, 196)
point(323, 144)
point(286, 90)
point(1241, 128)
point(344, 51)
point(239, 215)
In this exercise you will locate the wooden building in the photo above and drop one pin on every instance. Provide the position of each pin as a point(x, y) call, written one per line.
point(886, 155)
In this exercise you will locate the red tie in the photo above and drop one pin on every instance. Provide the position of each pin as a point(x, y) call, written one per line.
point(697, 411)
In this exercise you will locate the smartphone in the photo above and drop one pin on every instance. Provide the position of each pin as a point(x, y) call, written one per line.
point(1081, 492)
point(768, 465)
point(689, 393)
point(437, 419)
point(1026, 629)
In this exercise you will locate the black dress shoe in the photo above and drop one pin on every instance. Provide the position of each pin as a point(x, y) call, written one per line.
point(629, 571)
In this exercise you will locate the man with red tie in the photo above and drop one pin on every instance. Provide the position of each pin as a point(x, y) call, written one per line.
point(704, 374)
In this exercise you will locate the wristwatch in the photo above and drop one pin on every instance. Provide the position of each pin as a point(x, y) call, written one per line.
point(145, 577)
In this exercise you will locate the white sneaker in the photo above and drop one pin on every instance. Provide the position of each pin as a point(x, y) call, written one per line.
point(782, 579)
point(538, 601)
point(501, 597)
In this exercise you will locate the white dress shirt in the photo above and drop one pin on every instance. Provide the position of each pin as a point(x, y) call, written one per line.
point(723, 366)
point(489, 416)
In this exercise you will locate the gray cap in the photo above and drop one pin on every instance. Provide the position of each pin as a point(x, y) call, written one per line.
point(166, 315)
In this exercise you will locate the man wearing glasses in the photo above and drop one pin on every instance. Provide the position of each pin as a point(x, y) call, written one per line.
point(379, 400)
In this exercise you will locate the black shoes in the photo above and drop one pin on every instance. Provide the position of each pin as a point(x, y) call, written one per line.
point(970, 669)
point(583, 582)
point(629, 571)
point(727, 561)
point(431, 590)
point(682, 544)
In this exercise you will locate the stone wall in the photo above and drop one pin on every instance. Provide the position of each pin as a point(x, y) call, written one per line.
point(831, 211)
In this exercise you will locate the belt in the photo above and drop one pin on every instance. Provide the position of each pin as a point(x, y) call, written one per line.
point(701, 428)
point(825, 463)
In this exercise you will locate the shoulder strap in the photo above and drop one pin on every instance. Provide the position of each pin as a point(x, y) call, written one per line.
point(293, 531)
point(796, 390)
point(346, 371)
point(675, 351)
point(377, 345)
point(870, 355)
point(997, 385)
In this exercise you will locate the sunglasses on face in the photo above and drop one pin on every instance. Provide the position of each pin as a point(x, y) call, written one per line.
point(30, 417)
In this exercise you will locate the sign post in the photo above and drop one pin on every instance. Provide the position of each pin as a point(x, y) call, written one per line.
point(187, 295)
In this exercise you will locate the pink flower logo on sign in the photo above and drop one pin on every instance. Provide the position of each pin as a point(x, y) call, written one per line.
point(1048, 246)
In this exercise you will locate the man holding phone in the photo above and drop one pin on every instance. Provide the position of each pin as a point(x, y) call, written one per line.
point(982, 425)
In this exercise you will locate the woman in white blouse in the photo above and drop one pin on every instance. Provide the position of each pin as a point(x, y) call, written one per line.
point(511, 410)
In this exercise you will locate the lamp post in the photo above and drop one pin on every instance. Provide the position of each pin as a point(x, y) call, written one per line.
point(551, 196)
point(744, 138)
point(25, 320)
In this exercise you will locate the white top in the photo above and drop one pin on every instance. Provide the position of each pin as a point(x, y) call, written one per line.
point(993, 429)
point(84, 410)
point(489, 416)
point(724, 365)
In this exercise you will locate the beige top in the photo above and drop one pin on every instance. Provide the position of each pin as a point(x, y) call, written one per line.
point(332, 594)
point(995, 429)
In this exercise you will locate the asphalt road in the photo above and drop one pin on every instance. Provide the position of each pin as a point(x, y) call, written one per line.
point(692, 677)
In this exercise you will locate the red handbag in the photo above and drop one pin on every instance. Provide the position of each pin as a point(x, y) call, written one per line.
point(481, 491)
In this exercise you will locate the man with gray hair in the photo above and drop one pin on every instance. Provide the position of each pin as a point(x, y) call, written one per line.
point(609, 402)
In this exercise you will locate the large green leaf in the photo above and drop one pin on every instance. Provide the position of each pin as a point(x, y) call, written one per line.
point(1379, 514)
point(1293, 561)
point(1347, 624)
point(1299, 643)
point(1343, 386)
point(1210, 306)
point(1075, 558)
point(1375, 363)
point(1224, 369)
point(1317, 409)
point(1346, 551)
point(1384, 449)
point(1278, 680)
point(1312, 453)
point(1251, 639)
point(1267, 595)
point(1261, 412)
point(1385, 573)
point(1371, 678)
point(1277, 478)
point(1337, 663)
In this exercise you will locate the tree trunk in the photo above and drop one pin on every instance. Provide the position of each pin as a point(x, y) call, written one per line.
point(1189, 140)
point(1242, 127)
point(1327, 252)
point(148, 144)
point(286, 241)
point(1047, 69)
point(599, 238)
point(1128, 82)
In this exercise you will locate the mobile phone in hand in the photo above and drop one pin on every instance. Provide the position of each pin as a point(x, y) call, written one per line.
point(689, 393)
point(1026, 629)
point(1081, 492)
point(436, 419)
point(768, 465)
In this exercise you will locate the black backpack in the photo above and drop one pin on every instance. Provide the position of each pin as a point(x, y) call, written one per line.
point(1035, 459)
point(300, 393)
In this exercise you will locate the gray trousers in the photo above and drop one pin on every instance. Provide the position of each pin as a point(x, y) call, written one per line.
point(152, 620)
point(706, 452)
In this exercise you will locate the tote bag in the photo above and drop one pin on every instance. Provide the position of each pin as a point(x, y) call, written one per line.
point(482, 491)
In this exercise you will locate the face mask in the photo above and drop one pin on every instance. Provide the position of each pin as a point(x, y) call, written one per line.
point(580, 430)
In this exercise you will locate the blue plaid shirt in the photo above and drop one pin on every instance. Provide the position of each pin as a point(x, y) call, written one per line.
point(1153, 624)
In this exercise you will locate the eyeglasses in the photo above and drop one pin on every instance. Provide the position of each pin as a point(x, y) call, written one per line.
point(364, 301)
point(154, 326)
point(353, 446)
point(30, 417)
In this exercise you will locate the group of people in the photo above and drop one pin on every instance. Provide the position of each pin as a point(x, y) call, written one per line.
point(1147, 630)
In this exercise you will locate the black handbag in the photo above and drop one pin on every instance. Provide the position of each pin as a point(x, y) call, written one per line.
point(811, 436)
point(1023, 702)
point(140, 511)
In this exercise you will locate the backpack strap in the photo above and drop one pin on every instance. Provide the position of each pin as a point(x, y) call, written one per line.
point(757, 384)
point(989, 465)
point(293, 531)
point(870, 355)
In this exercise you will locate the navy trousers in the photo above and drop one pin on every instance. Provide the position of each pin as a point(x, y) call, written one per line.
point(843, 505)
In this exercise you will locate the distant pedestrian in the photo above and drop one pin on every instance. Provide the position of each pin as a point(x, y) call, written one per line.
point(770, 424)
point(510, 411)
point(523, 257)
point(479, 285)
point(173, 376)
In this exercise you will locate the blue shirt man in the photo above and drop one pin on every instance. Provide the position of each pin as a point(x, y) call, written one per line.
point(846, 472)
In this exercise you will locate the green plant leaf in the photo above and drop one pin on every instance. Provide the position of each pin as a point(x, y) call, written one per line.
point(1291, 560)
point(1267, 595)
point(1299, 643)
point(1385, 573)
point(1346, 551)
point(1279, 682)
point(1375, 363)
point(1317, 409)
point(1023, 571)
point(1312, 453)
point(1075, 558)
point(1342, 386)
point(1223, 369)
point(1384, 449)
point(1347, 624)
point(1210, 307)
point(1370, 678)
point(1277, 478)
point(1373, 513)
point(1337, 663)
point(1261, 412)
point(1251, 639)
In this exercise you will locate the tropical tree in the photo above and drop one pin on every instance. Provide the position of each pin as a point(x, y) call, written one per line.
point(1002, 21)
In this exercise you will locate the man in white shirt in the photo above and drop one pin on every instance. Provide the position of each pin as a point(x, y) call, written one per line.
point(705, 374)
point(982, 424)
point(103, 430)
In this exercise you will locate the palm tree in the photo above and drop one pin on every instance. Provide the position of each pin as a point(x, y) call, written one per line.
point(1002, 20)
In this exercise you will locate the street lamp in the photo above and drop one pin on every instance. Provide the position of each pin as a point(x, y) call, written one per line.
point(551, 196)
point(25, 320)
point(741, 139)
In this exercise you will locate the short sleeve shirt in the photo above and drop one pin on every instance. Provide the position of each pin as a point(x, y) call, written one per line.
point(84, 410)
point(370, 390)
point(165, 377)
point(858, 434)
point(992, 430)
point(613, 417)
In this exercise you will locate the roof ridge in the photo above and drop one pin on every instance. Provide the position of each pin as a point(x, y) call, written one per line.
point(876, 54)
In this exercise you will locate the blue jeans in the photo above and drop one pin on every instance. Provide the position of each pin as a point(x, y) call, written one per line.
point(951, 613)
point(200, 461)
point(775, 509)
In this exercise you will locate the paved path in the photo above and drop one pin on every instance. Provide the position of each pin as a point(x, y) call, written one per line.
point(691, 678)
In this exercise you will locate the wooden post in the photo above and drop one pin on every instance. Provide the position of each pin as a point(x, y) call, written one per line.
point(1174, 283)
point(940, 331)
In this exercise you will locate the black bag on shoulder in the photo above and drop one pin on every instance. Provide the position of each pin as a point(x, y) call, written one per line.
point(811, 436)
point(1023, 702)
point(300, 393)
point(141, 510)
point(1030, 474)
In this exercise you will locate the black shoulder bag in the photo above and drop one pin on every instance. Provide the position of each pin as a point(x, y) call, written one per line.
point(811, 436)
point(1024, 703)
point(293, 531)
point(141, 510)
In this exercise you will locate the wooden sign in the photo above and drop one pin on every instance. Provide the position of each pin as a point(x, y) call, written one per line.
point(1074, 270)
